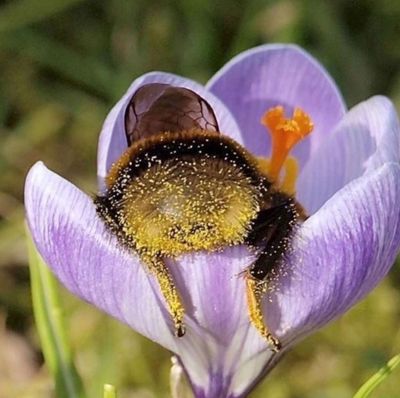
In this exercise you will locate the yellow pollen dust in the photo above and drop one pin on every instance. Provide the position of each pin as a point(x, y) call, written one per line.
point(175, 208)
point(285, 134)
point(255, 291)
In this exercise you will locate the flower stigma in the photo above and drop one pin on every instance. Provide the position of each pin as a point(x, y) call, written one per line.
point(285, 134)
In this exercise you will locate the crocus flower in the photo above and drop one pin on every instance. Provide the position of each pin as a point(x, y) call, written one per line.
point(349, 184)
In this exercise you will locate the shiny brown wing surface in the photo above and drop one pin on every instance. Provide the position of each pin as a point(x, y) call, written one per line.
point(157, 107)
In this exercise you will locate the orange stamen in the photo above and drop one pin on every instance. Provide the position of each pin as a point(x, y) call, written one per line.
point(285, 134)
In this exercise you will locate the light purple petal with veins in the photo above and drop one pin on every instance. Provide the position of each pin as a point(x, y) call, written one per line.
point(271, 75)
point(86, 258)
point(340, 253)
point(112, 142)
point(366, 138)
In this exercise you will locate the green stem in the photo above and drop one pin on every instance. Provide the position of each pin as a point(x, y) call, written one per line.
point(378, 378)
point(49, 323)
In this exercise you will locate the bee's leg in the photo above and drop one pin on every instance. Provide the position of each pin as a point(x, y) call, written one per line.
point(255, 291)
point(270, 234)
point(159, 269)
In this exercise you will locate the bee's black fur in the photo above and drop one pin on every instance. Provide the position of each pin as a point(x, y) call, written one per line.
point(172, 146)
point(271, 234)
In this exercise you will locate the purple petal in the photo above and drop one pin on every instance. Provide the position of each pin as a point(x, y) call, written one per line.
point(366, 138)
point(228, 347)
point(113, 142)
point(339, 254)
point(271, 75)
point(86, 258)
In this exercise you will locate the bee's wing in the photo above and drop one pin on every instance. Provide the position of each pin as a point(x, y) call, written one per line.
point(157, 108)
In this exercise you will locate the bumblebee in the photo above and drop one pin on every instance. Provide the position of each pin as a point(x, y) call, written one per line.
point(182, 186)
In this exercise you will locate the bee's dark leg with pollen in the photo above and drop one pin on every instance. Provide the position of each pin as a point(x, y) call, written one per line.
point(255, 291)
point(270, 233)
point(168, 289)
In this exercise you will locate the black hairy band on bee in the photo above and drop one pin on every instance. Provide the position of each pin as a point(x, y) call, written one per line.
point(157, 149)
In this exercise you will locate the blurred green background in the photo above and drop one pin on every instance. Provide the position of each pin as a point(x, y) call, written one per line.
point(63, 63)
